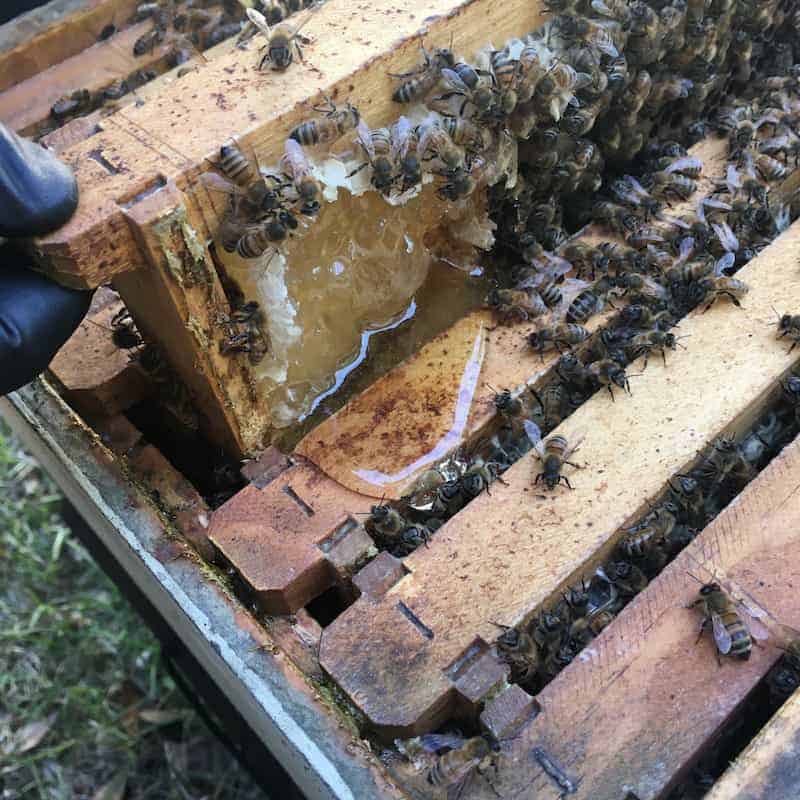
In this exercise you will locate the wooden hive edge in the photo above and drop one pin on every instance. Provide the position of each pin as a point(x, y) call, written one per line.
point(228, 96)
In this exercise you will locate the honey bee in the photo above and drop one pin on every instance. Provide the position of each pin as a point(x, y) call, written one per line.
point(235, 165)
point(644, 343)
point(334, 124)
point(377, 146)
point(770, 169)
point(534, 61)
point(617, 71)
point(479, 476)
point(77, 103)
point(630, 192)
point(641, 316)
point(789, 325)
point(506, 72)
point(609, 373)
point(620, 219)
point(557, 659)
point(410, 538)
point(688, 496)
point(548, 630)
point(551, 403)
point(585, 257)
point(554, 452)
point(585, 305)
point(726, 461)
point(404, 152)
point(596, 34)
point(466, 133)
point(424, 78)
point(449, 500)
point(252, 340)
point(671, 184)
point(652, 531)
point(556, 89)
point(519, 650)
point(281, 41)
point(297, 167)
point(627, 578)
point(385, 522)
point(470, 84)
point(435, 143)
point(558, 336)
point(257, 239)
point(732, 635)
point(574, 373)
point(452, 758)
point(719, 285)
point(515, 305)
point(148, 41)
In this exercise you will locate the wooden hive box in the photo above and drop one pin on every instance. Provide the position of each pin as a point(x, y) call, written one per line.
point(408, 644)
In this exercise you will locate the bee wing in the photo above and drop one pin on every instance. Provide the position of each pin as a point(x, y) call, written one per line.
point(401, 137)
point(726, 262)
point(676, 221)
point(686, 248)
point(452, 81)
point(365, 138)
point(752, 616)
point(217, 183)
point(721, 635)
point(733, 180)
point(295, 154)
point(637, 187)
point(727, 238)
point(655, 287)
point(687, 162)
point(259, 20)
point(783, 218)
point(434, 742)
point(557, 266)
point(533, 432)
point(575, 441)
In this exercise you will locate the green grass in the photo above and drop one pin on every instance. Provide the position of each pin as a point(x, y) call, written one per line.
point(80, 673)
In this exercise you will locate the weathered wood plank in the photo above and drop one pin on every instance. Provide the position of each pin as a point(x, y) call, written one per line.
point(628, 717)
point(430, 404)
point(770, 766)
point(46, 36)
point(501, 558)
point(27, 104)
point(178, 301)
point(229, 96)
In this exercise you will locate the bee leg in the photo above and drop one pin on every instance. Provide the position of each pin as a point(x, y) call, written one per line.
point(299, 51)
point(501, 479)
point(703, 627)
point(663, 356)
point(565, 480)
point(611, 392)
point(573, 464)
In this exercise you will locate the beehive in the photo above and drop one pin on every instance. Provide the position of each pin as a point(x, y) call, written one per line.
point(409, 643)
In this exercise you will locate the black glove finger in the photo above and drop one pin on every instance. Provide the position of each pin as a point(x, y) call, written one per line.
point(36, 317)
point(38, 193)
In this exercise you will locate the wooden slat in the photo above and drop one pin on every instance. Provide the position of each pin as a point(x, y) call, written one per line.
point(770, 766)
point(629, 717)
point(433, 402)
point(178, 302)
point(229, 96)
point(506, 554)
point(46, 36)
point(25, 105)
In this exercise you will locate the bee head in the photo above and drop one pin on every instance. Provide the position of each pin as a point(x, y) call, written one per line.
point(709, 588)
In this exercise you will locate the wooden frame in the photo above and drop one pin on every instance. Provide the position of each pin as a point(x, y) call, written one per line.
point(413, 647)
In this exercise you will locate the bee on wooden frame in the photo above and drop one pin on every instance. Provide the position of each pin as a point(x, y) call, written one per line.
point(281, 41)
point(735, 623)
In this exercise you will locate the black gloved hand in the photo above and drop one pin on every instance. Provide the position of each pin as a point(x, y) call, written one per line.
point(37, 194)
